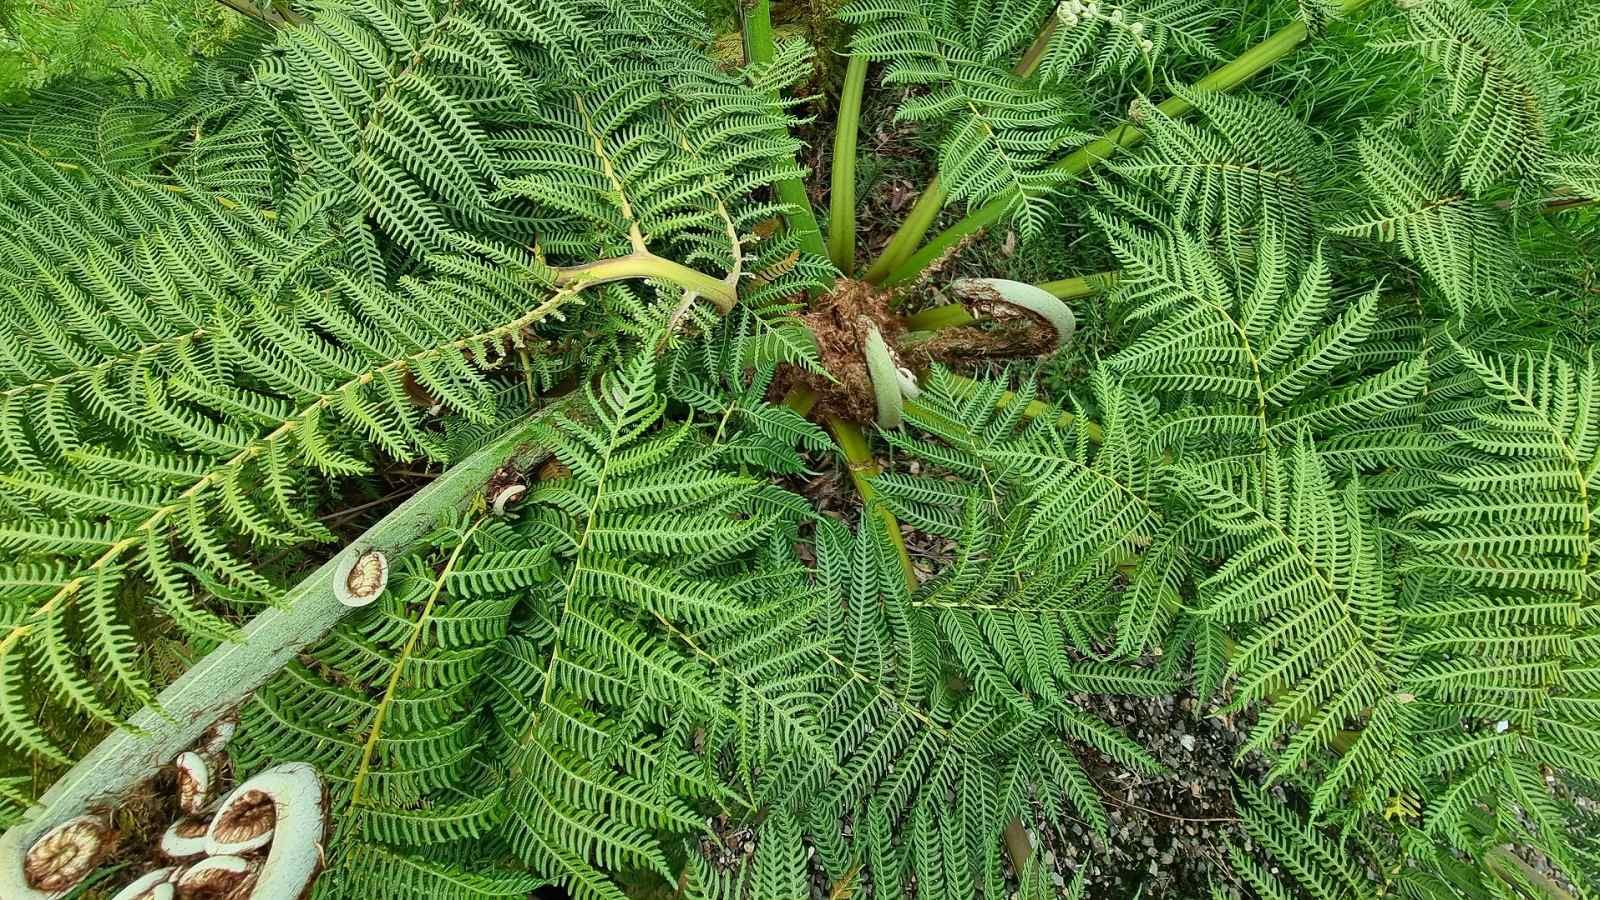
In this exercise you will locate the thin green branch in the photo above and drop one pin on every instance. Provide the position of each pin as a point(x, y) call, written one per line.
point(910, 232)
point(1081, 286)
point(939, 318)
point(842, 195)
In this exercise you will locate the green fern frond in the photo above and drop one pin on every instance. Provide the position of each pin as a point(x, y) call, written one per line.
point(1458, 240)
point(1275, 355)
point(1322, 454)
point(998, 132)
point(264, 395)
point(1250, 169)
point(1500, 92)
point(1125, 38)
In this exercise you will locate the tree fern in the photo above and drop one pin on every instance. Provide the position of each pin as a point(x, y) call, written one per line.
point(1318, 451)
point(1319, 622)
point(583, 677)
point(274, 423)
point(425, 122)
point(1456, 239)
point(1267, 352)
point(520, 631)
point(255, 345)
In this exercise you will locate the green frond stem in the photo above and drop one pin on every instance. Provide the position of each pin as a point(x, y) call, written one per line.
point(1081, 286)
point(737, 271)
point(1563, 200)
point(609, 170)
point(1515, 871)
point(938, 318)
point(1031, 57)
point(801, 399)
point(359, 780)
point(106, 365)
point(898, 263)
point(912, 230)
point(955, 315)
point(255, 448)
point(60, 164)
point(644, 264)
point(863, 465)
point(227, 675)
point(1562, 204)
point(760, 48)
point(842, 192)
point(222, 200)
point(933, 197)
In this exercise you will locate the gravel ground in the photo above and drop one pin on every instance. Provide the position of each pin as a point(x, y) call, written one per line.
point(1168, 832)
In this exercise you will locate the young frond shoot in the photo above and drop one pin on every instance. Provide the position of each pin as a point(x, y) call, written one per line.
point(480, 374)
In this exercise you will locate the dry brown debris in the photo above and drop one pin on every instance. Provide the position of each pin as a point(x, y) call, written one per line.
point(838, 320)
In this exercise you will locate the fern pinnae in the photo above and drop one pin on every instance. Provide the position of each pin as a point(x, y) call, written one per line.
point(375, 730)
point(179, 513)
point(1248, 168)
point(1127, 38)
point(1497, 83)
point(1000, 129)
point(1453, 236)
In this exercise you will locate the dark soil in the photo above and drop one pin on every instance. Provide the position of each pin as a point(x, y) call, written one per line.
point(1168, 832)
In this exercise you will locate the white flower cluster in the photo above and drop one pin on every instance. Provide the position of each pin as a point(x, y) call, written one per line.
point(1071, 12)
